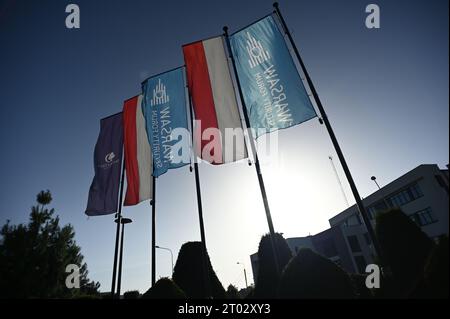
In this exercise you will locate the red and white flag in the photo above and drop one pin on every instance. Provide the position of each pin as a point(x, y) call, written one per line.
point(138, 157)
point(214, 102)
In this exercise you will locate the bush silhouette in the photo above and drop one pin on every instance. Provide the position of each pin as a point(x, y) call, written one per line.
point(436, 270)
point(267, 277)
point(247, 293)
point(311, 276)
point(164, 288)
point(232, 292)
point(132, 294)
point(405, 249)
point(359, 286)
point(189, 274)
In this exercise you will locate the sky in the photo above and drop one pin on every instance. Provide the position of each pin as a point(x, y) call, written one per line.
point(385, 92)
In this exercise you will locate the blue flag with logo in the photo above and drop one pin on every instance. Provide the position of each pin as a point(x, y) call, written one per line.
point(164, 108)
point(104, 190)
point(274, 94)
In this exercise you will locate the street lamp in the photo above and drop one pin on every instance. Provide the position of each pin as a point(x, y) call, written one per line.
point(245, 274)
point(123, 221)
point(375, 180)
point(171, 254)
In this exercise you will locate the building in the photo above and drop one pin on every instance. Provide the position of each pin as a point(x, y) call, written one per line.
point(421, 193)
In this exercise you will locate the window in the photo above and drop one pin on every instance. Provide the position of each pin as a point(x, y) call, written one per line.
point(423, 217)
point(354, 243)
point(353, 220)
point(441, 182)
point(405, 196)
point(367, 238)
point(377, 208)
point(360, 263)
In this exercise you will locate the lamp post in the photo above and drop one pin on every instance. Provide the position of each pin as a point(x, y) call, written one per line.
point(171, 254)
point(123, 221)
point(375, 180)
point(245, 273)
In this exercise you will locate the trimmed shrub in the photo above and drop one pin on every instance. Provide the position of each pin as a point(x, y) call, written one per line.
point(436, 271)
point(164, 288)
point(311, 276)
point(405, 249)
point(232, 292)
point(189, 272)
point(247, 293)
point(359, 286)
point(86, 297)
point(132, 294)
point(267, 277)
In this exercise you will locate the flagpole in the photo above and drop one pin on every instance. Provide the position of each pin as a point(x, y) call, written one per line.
point(206, 274)
point(255, 154)
point(119, 279)
point(153, 203)
point(119, 217)
point(334, 140)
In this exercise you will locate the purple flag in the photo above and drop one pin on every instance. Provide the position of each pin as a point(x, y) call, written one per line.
point(107, 164)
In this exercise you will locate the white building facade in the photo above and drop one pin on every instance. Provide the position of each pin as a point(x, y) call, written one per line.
point(422, 194)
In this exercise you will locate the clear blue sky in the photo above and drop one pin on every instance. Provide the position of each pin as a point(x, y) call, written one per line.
point(385, 91)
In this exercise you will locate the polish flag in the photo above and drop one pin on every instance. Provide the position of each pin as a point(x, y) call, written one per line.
point(214, 102)
point(138, 157)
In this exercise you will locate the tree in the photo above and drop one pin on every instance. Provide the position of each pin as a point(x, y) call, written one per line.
point(267, 277)
point(311, 276)
point(164, 288)
point(189, 272)
point(232, 292)
point(405, 249)
point(34, 256)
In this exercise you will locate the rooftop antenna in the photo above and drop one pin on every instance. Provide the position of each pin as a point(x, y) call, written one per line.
point(339, 180)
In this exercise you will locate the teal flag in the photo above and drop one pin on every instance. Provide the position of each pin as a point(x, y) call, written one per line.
point(274, 94)
point(165, 112)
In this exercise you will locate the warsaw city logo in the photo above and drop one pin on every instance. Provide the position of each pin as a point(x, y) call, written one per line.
point(159, 94)
point(272, 96)
point(109, 157)
point(256, 51)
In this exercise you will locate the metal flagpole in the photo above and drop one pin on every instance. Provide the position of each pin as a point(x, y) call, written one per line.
point(202, 230)
point(118, 217)
point(153, 203)
point(255, 154)
point(340, 155)
point(338, 180)
point(199, 205)
point(122, 221)
point(119, 280)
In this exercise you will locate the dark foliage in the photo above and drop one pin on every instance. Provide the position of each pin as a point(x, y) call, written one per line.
point(232, 292)
point(267, 277)
point(247, 293)
point(405, 249)
point(34, 256)
point(435, 281)
point(359, 286)
point(132, 294)
point(311, 276)
point(164, 288)
point(189, 273)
